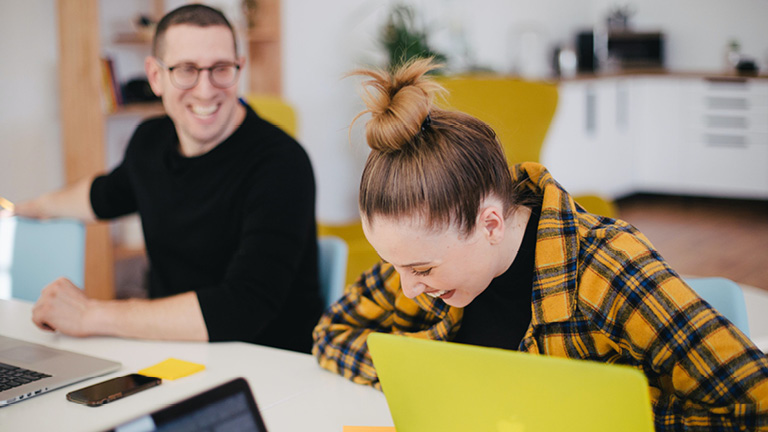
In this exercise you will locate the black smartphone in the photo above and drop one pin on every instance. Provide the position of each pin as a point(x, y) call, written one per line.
point(113, 389)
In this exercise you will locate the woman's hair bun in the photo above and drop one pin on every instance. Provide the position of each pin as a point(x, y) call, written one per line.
point(399, 102)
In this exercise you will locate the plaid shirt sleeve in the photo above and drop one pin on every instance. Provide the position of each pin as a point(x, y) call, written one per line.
point(703, 372)
point(603, 293)
point(375, 303)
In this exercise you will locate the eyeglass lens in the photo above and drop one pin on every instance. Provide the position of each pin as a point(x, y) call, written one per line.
point(186, 76)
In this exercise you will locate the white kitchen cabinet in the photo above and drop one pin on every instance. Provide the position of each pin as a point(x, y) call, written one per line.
point(657, 106)
point(568, 142)
point(661, 134)
point(725, 138)
point(588, 147)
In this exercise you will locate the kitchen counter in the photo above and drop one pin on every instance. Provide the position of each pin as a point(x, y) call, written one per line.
point(712, 75)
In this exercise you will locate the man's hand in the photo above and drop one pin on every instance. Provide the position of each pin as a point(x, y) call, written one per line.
point(72, 202)
point(63, 307)
point(29, 209)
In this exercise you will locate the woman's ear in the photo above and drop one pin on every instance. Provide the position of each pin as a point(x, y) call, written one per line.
point(491, 223)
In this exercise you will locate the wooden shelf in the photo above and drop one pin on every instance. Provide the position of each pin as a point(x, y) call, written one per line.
point(126, 252)
point(134, 38)
point(263, 35)
point(146, 109)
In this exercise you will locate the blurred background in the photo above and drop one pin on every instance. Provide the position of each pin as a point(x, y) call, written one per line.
point(661, 108)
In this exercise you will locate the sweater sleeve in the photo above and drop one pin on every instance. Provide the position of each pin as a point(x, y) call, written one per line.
point(112, 194)
point(703, 372)
point(278, 227)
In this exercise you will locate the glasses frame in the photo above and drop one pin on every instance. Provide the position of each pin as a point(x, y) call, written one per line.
point(210, 69)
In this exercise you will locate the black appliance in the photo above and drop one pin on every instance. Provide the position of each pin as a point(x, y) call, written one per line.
point(586, 60)
point(627, 49)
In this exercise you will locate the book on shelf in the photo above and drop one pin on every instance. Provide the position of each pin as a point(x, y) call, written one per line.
point(112, 96)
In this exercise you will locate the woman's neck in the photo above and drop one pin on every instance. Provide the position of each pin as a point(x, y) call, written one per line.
point(514, 231)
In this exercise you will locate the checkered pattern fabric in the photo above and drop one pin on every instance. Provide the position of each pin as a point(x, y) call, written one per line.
point(601, 292)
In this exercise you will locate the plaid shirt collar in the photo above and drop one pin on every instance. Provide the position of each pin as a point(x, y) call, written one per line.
point(554, 286)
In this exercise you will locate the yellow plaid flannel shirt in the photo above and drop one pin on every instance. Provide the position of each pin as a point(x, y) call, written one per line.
point(601, 292)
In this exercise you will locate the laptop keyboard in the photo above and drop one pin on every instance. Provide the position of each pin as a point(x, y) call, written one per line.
point(12, 376)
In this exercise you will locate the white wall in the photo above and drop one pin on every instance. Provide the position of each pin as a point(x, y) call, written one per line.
point(324, 40)
point(30, 144)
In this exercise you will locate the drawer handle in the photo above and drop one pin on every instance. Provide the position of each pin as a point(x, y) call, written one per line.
point(727, 122)
point(727, 103)
point(717, 140)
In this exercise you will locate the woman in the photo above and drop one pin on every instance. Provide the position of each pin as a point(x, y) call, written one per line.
point(479, 253)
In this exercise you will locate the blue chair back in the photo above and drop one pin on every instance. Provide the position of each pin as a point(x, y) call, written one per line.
point(332, 266)
point(35, 253)
point(725, 296)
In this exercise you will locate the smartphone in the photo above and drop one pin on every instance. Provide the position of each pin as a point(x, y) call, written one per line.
point(113, 389)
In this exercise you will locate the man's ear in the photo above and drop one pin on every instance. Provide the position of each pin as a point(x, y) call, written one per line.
point(491, 222)
point(153, 75)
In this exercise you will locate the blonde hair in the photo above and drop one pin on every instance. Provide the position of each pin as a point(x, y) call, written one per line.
point(425, 161)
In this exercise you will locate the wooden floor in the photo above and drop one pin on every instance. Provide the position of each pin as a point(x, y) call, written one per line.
point(705, 236)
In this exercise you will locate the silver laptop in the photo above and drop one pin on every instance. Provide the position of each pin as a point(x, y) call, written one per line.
point(28, 369)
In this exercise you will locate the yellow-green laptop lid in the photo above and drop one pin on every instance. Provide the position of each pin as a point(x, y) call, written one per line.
point(446, 387)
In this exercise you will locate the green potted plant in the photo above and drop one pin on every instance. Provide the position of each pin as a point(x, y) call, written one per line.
point(404, 39)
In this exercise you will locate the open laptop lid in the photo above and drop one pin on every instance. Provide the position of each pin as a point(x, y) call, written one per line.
point(229, 407)
point(59, 368)
point(431, 385)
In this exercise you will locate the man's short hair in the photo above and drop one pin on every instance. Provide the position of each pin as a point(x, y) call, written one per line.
point(195, 15)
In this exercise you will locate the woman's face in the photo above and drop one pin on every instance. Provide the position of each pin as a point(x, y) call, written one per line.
point(441, 263)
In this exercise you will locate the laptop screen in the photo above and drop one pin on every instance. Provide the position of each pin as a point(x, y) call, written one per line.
point(229, 407)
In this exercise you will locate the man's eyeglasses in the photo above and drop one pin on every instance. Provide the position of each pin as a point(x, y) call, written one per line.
point(185, 76)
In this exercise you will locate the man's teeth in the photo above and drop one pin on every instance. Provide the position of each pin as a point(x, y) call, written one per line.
point(436, 294)
point(203, 110)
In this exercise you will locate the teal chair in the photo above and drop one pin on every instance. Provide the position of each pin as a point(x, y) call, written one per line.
point(332, 266)
point(725, 296)
point(35, 253)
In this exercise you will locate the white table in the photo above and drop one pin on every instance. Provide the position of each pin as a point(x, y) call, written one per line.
point(292, 391)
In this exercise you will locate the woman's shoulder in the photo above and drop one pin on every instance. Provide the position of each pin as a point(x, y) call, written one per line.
point(617, 262)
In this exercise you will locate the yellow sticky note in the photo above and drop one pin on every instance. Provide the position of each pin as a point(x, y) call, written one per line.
point(171, 369)
point(368, 429)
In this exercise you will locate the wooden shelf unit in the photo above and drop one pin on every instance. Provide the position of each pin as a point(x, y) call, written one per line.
point(264, 50)
point(82, 126)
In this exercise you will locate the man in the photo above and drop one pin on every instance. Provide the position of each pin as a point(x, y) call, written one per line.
point(226, 202)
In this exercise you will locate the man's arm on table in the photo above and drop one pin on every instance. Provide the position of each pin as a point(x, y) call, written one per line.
point(65, 308)
point(73, 201)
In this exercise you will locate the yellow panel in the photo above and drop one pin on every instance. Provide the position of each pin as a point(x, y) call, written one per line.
point(276, 111)
point(519, 111)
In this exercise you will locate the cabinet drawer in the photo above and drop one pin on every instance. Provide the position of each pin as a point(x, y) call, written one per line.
point(730, 88)
point(725, 168)
point(724, 121)
point(724, 139)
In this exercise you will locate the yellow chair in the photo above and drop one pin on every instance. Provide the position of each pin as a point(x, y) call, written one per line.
point(520, 112)
point(274, 110)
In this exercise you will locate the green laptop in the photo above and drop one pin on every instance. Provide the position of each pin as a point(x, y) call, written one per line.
point(451, 387)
